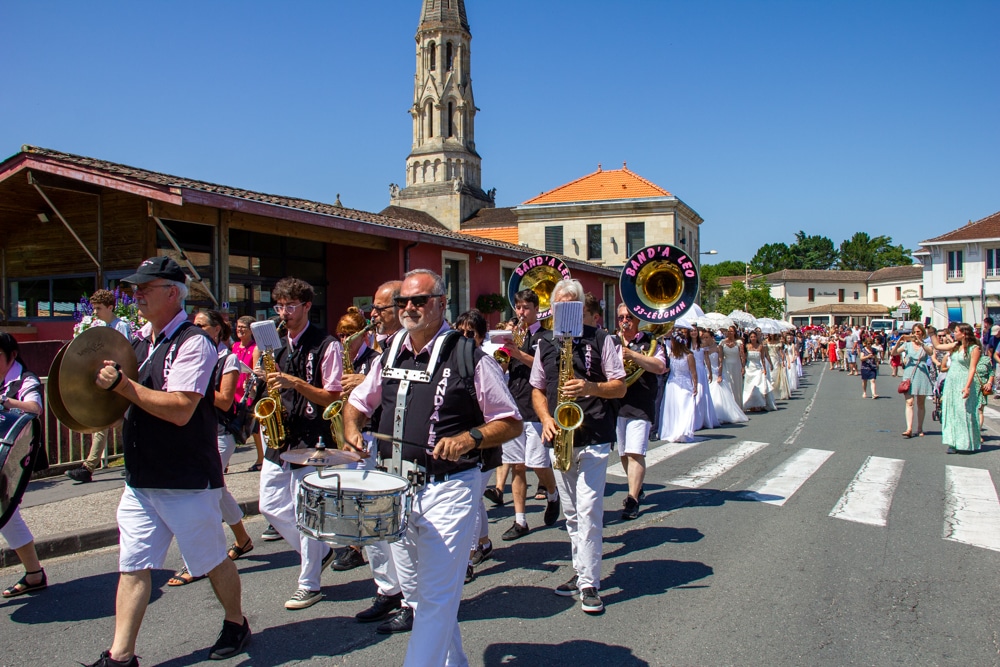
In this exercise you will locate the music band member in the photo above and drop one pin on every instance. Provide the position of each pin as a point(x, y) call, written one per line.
point(597, 376)
point(22, 390)
point(636, 409)
point(307, 375)
point(173, 473)
point(388, 603)
point(422, 383)
point(527, 450)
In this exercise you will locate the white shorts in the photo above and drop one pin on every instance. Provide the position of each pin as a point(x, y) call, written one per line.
point(527, 448)
point(149, 518)
point(633, 436)
point(16, 531)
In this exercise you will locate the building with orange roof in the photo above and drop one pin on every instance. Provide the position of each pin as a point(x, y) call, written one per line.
point(607, 216)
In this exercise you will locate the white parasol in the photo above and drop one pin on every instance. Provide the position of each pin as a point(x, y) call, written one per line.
point(743, 319)
point(714, 321)
point(769, 326)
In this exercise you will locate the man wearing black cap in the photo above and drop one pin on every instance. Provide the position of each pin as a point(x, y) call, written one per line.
point(173, 473)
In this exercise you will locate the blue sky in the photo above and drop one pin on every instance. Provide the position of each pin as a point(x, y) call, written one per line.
point(765, 117)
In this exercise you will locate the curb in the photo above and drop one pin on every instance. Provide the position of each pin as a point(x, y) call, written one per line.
point(99, 537)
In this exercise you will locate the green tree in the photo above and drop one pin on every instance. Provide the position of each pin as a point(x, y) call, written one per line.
point(812, 252)
point(756, 299)
point(916, 312)
point(771, 257)
point(708, 276)
point(864, 253)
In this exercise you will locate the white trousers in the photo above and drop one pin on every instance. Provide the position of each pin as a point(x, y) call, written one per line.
point(379, 554)
point(16, 531)
point(231, 512)
point(581, 493)
point(431, 560)
point(482, 528)
point(278, 489)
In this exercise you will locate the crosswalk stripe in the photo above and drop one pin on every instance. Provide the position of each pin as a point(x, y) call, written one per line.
point(868, 497)
point(718, 465)
point(992, 413)
point(782, 482)
point(971, 508)
point(654, 456)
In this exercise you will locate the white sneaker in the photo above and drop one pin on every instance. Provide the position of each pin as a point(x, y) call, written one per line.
point(303, 598)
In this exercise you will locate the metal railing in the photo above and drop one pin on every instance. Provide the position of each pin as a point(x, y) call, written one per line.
point(955, 274)
point(66, 447)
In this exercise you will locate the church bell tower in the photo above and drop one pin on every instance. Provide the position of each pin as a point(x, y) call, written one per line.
point(443, 169)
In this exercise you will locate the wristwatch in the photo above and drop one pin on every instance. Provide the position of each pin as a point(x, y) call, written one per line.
point(477, 436)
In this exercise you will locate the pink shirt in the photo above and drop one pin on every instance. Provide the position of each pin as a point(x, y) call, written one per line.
point(244, 354)
point(192, 368)
point(494, 398)
point(611, 364)
point(331, 366)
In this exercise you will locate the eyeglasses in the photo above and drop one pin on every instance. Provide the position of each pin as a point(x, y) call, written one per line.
point(142, 289)
point(418, 300)
point(289, 308)
point(378, 309)
point(622, 318)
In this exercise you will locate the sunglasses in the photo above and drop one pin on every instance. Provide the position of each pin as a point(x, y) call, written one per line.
point(418, 301)
point(378, 309)
point(468, 333)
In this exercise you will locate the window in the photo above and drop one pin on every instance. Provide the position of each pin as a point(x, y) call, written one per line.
point(554, 240)
point(635, 237)
point(433, 56)
point(840, 295)
point(593, 241)
point(857, 296)
point(455, 271)
point(812, 294)
point(449, 58)
point(921, 291)
point(955, 265)
point(875, 295)
point(430, 119)
point(48, 297)
point(451, 119)
point(993, 262)
point(899, 294)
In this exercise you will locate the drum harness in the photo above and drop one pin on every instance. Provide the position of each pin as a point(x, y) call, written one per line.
point(410, 470)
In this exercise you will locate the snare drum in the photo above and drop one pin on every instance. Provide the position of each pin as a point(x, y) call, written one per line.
point(353, 507)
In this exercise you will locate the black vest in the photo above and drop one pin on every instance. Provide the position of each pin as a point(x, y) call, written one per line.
point(445, 406)
point(520, 374)
point(161, 455)
point(305, 424)
point(599, 414)
point(639, 401)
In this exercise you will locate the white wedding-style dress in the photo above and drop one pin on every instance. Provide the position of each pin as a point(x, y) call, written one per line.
point(726, 408)
point(677, 420)
point(706, 409)
point(757, 390)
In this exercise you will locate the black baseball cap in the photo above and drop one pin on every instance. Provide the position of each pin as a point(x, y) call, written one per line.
point(156, 267)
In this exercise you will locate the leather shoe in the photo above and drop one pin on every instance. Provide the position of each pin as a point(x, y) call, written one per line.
point(516, 531)
point(381, 609)
point(551, 512)
point(348, 559)
point(402, 621)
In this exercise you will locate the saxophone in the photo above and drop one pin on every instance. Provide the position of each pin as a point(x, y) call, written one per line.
point(334, 412)
point(270, 411)
point(568, 414)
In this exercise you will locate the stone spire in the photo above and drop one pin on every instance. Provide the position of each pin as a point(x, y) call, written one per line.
point(443, 169)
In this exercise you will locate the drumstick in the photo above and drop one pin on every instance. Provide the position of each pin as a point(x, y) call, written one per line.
point(389, 438)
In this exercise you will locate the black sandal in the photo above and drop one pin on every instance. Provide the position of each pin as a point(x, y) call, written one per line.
point(182, 578)
point(22, 586)
point(236, 550)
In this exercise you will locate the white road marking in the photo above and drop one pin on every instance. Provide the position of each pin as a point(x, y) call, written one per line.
point(719, 464)
point(992, 413)
point(868, 497)
point(802, 421)
point(654, 456)
point(971, 508)
point(782, 482)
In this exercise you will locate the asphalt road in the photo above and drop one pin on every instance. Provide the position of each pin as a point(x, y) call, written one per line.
point(710, 573)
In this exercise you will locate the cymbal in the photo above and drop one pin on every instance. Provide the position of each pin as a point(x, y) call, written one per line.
point(55, 400)
point(88, 405)
point(320, 457)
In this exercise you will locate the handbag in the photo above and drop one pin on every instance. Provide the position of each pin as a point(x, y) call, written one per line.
point(904, 386)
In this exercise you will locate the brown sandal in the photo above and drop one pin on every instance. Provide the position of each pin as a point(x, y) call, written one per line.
point(236, 550)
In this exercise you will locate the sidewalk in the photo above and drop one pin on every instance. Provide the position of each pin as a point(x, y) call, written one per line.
point(68, 517)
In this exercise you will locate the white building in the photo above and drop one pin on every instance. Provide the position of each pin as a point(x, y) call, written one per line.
point(961, 273)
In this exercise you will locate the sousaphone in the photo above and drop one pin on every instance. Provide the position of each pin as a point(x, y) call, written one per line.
point(659, 284)
point(539, 274)
point(74, 397)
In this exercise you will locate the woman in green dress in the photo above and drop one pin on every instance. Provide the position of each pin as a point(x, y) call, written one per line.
point(960, 401)
point(915, 370)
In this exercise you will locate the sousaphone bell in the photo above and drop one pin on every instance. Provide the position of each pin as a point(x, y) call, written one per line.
point(659, 283)
point(539, 274)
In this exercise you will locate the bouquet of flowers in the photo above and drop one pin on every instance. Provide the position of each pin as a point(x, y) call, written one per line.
point(125, 308)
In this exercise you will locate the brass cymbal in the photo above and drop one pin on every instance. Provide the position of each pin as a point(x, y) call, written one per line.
point(88, 405)
point(54, 398)
point(320, 457)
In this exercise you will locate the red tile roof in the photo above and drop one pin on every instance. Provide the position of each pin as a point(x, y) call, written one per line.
point(986, 228)
point(601, 186)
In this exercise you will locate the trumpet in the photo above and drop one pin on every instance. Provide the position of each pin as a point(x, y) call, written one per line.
point(519, 333)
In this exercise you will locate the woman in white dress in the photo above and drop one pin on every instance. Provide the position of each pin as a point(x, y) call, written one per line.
point(790, 358)
point(726, 408)
point(757, 392)
point(678, 416)
point(733, 361)
point(779, 375)
point(706, 409)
